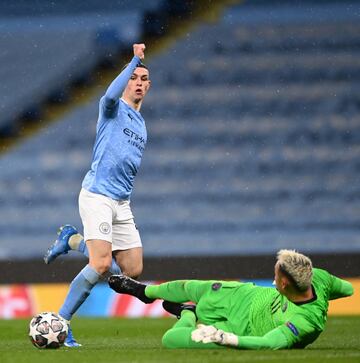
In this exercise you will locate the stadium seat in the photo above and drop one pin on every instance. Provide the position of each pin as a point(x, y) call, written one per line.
point(253, 144)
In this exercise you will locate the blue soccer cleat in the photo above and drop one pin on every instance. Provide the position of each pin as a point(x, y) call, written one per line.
point(70, 340)
point(61, 245)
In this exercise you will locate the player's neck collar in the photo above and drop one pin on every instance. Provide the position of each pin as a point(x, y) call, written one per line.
point(127, 104)
point(124, 101)
point(309, 300)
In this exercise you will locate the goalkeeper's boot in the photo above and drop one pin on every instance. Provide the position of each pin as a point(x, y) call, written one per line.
point(176, 308)
point(70, 340)
point(61, 245)
point(126, 285)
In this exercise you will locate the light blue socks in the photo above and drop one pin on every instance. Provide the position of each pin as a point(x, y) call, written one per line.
point(79, 290)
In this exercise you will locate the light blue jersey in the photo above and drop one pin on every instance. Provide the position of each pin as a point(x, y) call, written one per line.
point(120, 141)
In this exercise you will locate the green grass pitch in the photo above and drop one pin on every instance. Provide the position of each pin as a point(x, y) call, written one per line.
point(139, 340)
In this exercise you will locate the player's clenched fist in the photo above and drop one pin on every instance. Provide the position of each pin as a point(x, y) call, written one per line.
point(139, 50)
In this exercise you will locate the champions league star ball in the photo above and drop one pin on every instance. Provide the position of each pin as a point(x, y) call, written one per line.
point(48, 330)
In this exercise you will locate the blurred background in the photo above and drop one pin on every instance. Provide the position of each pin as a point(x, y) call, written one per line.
point(253, 137)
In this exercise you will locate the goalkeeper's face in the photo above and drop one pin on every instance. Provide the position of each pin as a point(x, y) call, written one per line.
point(280, 280)
point(138, 85)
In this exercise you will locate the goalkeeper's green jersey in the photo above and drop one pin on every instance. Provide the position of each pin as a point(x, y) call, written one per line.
point(265, 313)
point(261, 317)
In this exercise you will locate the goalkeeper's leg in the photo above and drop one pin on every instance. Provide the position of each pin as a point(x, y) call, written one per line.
point(179, 336)
point(179, 291)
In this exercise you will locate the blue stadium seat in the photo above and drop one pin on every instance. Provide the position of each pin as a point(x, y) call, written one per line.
point(41, 56)
point(253, 144)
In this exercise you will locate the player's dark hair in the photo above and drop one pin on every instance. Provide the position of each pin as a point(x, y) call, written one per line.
point(139, 65)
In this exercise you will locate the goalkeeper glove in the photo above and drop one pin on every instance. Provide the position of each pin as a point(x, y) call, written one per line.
point(209, 334)
point(202, 332)
point(223, 338)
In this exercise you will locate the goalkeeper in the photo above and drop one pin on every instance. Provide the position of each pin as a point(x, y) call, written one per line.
point(243, 315)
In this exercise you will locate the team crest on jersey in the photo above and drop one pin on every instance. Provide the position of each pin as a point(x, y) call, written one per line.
point(284, 307)
point(105, 228)
point(292, 327)
point(216, 286)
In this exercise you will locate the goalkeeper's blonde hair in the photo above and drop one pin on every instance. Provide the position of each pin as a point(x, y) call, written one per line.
point(297, 266)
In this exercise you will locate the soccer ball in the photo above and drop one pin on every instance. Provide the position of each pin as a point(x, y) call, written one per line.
point(48, 330)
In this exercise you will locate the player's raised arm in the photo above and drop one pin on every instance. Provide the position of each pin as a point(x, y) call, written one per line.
point(117, 86)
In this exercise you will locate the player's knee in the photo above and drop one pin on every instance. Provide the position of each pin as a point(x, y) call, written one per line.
point(176, 338)
point(168, 340)
point(133, 271)
point(103, 268)
point(101, 265)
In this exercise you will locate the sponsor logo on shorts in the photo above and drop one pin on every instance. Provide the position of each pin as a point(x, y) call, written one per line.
point(105, 228)
point(292, 327)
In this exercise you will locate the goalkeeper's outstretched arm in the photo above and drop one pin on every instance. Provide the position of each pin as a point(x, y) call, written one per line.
point(340, 288)
point(275, 339)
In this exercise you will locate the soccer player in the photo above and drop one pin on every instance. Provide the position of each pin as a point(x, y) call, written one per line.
point(111, 239)
point(243, 315)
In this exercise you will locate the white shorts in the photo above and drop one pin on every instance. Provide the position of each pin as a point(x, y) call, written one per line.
point(108, 220)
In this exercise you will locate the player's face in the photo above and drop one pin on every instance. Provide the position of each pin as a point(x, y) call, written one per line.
point(279, 279)
point(138, 85)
